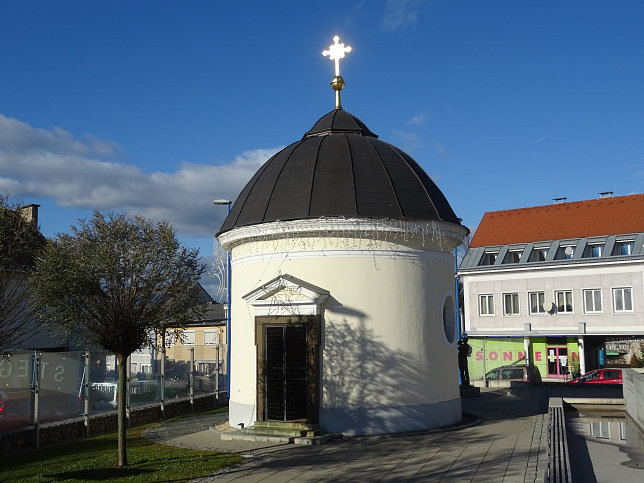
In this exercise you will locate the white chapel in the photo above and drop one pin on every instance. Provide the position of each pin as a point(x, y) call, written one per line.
point(342, 305)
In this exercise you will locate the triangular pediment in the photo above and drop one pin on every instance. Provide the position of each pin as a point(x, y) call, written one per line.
point(287, 295)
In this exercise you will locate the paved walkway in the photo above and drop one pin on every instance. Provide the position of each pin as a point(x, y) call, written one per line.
point(508, 445)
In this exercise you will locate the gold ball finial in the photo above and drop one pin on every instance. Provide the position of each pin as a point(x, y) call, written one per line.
point(337, 83)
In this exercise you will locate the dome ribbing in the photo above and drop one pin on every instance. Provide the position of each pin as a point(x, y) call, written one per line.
point(339, 169)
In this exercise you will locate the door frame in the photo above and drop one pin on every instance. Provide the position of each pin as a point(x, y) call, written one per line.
point(562, 371)
point(313, 325)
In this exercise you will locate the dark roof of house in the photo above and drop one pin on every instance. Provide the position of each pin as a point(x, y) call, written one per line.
point(213, 312)
point(599, 217)
point(339, 169)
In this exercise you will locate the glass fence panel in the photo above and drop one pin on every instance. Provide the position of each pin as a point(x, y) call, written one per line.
point(61, 386)
point(145, 374)
point(102, 371)
point(16, 402)
point(209, 369)
point(177, 370)
point(61, 380)
point(143, 392)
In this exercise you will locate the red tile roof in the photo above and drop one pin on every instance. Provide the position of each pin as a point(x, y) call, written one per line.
point(603, 216)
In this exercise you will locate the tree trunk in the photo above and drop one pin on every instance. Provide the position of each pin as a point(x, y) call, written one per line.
point(122, 406)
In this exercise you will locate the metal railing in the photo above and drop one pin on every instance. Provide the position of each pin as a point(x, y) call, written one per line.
point(41, 387)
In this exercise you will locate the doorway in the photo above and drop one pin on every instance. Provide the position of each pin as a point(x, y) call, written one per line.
point(287, 372)
point(557, 361)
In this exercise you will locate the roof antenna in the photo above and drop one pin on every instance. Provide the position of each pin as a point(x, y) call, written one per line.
point(336, 52)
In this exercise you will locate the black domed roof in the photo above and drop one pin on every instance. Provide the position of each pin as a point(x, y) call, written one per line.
point(339, 169)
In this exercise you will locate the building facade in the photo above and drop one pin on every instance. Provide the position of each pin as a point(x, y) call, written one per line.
point(560, 286)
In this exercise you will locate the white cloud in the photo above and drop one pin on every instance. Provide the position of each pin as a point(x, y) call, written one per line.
point(17, 136)
point(410, 140)
point(417, 120)
point(53, 163)
point(400, 14)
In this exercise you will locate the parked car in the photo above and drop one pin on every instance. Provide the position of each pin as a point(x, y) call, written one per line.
point(524, 373)
point(600, 376)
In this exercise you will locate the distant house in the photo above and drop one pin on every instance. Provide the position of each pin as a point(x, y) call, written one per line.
point(207, 336)
point(560, 286)
point(46, 338)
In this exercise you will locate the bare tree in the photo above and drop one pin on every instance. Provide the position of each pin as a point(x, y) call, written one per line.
point(115, 282)
point(20, 244)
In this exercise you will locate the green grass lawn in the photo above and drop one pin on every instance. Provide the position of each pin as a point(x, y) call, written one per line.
point(96, 459)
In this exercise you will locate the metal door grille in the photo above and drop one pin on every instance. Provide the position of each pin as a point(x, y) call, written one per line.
point(286, 367)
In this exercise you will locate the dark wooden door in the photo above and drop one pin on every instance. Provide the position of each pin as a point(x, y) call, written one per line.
point(286, 355)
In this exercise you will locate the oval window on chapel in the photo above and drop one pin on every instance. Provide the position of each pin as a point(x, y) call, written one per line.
point(449, 319)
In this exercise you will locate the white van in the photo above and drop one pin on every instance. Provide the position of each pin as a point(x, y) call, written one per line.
point(104, 395)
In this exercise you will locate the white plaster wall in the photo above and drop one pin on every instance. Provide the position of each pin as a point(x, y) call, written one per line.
point(575, 278)
point(387, 365)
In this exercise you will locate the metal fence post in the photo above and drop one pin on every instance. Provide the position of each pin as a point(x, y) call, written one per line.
point(128, 376)
point(484, 369)
point(217, 368)
point(86, 375)
point(192, 377)
point(162, 383)
point(35, 387)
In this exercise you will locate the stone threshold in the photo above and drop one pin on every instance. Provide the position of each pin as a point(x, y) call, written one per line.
point(268, 438)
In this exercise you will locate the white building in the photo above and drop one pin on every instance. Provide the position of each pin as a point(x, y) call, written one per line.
point(343, 310)
point(559, 285)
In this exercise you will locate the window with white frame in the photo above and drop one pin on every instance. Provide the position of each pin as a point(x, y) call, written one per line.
point(537, 300)
point(564, 301)
point(511, 303)
point(210, 337)
point(486, 304)
point(593, 301)
point(623, 299)
point(489, 258)
point(188, 337)
point(594, 250)
point(600, 429)
point(624, 248)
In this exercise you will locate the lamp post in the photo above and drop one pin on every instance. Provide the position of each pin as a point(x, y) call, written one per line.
point(228, 286)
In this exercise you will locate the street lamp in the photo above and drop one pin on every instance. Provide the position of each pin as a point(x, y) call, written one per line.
point(228, 286)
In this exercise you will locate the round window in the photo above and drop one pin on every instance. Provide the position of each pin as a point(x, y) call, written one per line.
point(449, 319)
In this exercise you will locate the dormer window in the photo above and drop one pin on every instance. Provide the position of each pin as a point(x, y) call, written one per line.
point(489, 258)
point(513, 256)
point(594, 250)
point(565, 252)
point(624, 248)
point(539, 254)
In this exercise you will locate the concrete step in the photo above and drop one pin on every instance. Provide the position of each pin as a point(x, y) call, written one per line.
point(287, 425)
point(265, 438)
point(283, 428)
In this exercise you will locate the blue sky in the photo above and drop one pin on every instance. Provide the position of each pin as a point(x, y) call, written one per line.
point(157, 108)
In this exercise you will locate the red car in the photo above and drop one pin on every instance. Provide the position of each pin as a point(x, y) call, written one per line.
point(601, 376)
